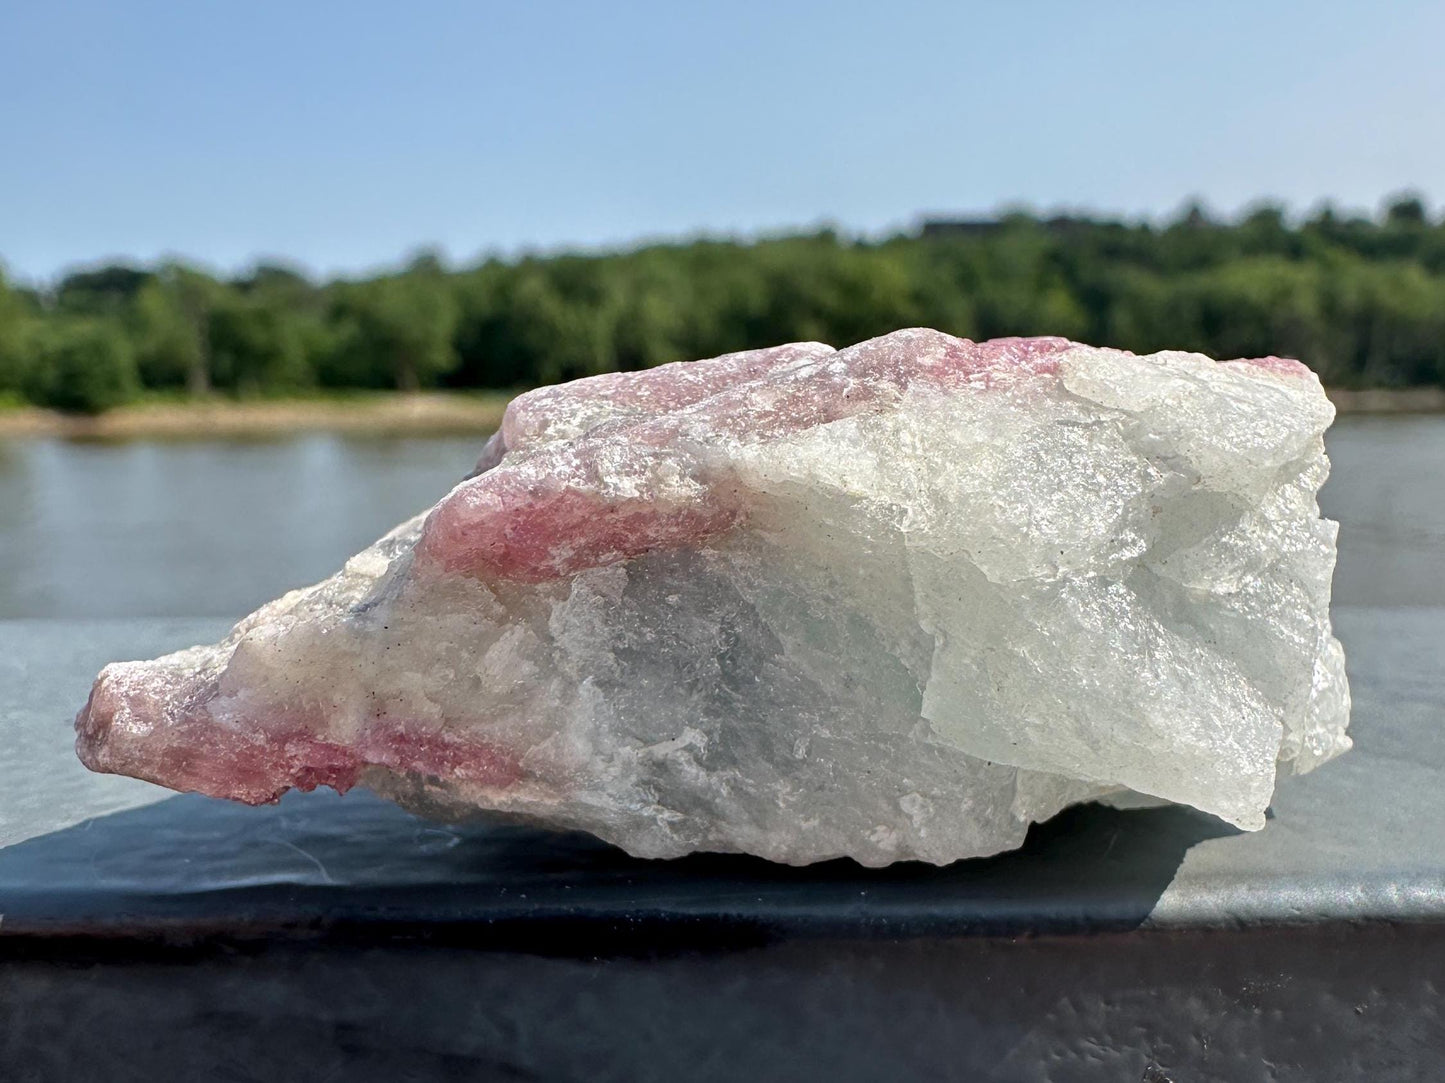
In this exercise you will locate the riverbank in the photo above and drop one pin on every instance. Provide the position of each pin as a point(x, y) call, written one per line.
point(423, 414)
point(381, 413)
point(1389, 400)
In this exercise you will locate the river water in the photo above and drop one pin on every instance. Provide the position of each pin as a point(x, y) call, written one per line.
point(151, 529)
point(179, 539)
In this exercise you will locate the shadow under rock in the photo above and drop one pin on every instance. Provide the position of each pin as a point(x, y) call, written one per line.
point(192, 868)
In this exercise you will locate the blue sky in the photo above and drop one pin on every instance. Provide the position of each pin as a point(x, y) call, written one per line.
point(343, 135)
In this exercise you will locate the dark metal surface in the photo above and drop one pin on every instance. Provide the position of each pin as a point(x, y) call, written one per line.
point(347, 864)
point(1313, 1004)
point(1360, 839)
point(340, 938)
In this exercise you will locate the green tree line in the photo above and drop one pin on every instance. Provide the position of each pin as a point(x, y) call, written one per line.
point(1362, 300)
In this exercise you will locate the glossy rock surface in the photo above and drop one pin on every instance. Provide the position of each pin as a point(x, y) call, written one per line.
point(895, 601)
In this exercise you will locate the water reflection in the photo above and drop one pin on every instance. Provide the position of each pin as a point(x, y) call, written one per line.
point(201, 528)
point(17, 523)
point(1387, 489)
point(217, 528)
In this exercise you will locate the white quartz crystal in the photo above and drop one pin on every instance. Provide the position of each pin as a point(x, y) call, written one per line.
point(895, 601)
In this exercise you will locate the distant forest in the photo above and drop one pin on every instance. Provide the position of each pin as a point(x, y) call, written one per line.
point(1361, 300)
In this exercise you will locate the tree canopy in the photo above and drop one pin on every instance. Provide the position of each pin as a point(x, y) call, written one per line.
point(1362, 300)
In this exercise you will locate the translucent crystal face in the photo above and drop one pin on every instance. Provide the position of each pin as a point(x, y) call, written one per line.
point(894, 601)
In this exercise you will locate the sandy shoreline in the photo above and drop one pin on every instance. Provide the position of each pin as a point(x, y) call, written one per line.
point(424, 414)
point(1399, 400)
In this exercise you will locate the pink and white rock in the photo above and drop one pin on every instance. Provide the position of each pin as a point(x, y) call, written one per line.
point(894, 601)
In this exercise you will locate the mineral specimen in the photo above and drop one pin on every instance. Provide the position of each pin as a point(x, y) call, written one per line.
point(894, 601)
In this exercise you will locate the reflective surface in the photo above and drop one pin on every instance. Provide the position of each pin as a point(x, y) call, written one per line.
point(46, 667)
point(1387, 490)
point(1357, 839)
point(201, 528)
point(217, 528)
